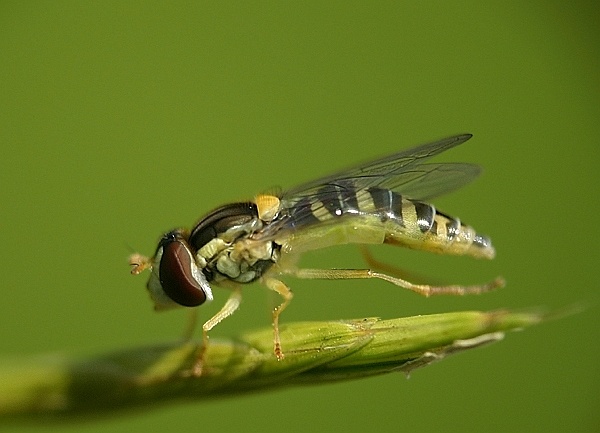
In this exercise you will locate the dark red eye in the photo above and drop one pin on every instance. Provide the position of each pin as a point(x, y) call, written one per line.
point(178, 273)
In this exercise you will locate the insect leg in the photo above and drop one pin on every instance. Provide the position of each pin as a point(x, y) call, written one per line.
point(421, 289)
point(228, 309)
point(188, 332)
point(287, 295)
point(392, 270)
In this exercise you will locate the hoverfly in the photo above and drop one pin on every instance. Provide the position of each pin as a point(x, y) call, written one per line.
point(382, 201)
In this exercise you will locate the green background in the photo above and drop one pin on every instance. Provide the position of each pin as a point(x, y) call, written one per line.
point(120, 120)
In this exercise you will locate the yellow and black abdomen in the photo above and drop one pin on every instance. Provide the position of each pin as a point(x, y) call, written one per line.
point(378, 215)
point(419, 225)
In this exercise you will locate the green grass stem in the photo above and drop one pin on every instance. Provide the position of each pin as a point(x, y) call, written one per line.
point(315, 353)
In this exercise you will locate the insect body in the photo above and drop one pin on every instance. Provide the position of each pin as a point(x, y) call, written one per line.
point(262, 240)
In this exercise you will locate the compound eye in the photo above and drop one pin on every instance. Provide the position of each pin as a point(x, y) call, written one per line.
point(179, 275)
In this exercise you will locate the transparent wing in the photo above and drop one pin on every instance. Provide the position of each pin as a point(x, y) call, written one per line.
point(393, 171)
point(405, 172)
point(427, 181)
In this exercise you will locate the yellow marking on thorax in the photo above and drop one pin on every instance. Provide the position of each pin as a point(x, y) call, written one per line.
point(268, 206)
point(211, 249)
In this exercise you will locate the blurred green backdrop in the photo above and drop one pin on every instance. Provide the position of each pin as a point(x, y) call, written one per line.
point(119, 120)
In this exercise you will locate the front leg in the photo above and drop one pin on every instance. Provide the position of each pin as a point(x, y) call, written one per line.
point(228, 309)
